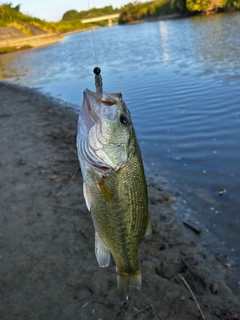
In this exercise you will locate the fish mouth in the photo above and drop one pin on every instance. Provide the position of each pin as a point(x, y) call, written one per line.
point(92, 103)
point(98, 102)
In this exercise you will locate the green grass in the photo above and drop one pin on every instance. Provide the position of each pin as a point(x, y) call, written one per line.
point(14, 49)
point(10, 15)
point(74, 25)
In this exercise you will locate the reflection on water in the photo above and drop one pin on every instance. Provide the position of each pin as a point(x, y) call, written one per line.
point(180, 79)
point(9, 69)
point(164, 41)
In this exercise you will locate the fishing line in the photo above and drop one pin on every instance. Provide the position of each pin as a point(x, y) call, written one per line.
point(93, 39)
point(96, 70)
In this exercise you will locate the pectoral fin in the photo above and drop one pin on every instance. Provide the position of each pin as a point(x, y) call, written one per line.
point(105, 190)
point(102, 253)
point(86, 194)
point(149, 228)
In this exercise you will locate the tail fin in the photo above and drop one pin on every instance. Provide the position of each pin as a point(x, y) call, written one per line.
point(125, 281)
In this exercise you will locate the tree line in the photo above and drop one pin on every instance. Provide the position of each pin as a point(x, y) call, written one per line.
point(135, 11)
point(94, 12)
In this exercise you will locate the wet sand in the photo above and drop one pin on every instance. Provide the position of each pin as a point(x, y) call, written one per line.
point(48, 265)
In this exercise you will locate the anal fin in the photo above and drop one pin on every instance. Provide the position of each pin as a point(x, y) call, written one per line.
point(101, 252)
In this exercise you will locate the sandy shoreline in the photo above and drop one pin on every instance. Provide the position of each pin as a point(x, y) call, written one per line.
point(48, 266)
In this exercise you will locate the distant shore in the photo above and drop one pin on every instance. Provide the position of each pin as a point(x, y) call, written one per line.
point(162, 18)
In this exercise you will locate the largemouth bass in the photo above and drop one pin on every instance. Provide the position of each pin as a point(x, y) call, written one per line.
point(114, 186)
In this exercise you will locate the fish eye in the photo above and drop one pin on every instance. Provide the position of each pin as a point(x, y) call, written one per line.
point(123, 119)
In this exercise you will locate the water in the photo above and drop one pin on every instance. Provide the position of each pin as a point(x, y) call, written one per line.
point(180, 79)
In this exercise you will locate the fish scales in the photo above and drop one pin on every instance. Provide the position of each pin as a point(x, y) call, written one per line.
point(122, 225)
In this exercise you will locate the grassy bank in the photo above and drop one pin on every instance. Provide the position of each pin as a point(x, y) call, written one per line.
point(14, 49)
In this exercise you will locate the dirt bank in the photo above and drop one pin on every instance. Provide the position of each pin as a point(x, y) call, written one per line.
point(11, 37)
point(34, 41)
point(48, 266)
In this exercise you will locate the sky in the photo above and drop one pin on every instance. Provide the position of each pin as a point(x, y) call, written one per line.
point(53, 10)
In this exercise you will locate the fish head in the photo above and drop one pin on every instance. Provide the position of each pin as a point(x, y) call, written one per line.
point(107, 124)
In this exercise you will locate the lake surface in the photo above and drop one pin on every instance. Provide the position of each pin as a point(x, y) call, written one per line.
point(181, 81)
